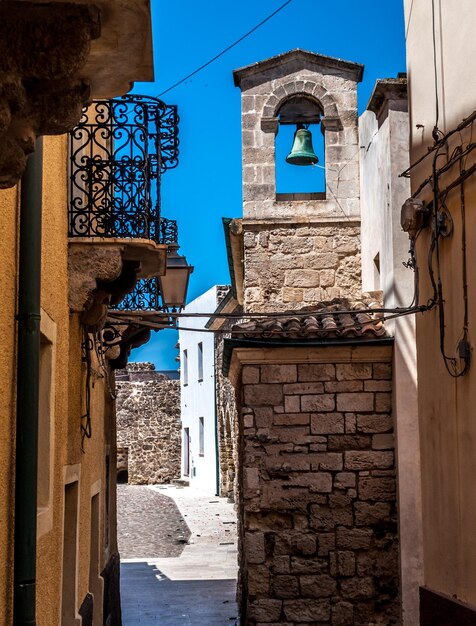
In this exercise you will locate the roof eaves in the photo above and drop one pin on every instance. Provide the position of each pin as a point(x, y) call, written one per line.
point(230, 344)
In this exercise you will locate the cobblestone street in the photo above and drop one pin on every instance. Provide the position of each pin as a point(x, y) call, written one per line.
point(178, 557)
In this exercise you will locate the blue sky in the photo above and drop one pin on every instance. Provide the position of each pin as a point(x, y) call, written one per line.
point(206, 185)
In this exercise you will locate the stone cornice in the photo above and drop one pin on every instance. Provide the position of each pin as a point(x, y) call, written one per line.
point(387, 91)
point(349, 69)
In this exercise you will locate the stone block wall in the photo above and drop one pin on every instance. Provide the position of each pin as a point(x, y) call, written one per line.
point(291, 266)
point(317, 511)
point(148, 424)
point(227, 425)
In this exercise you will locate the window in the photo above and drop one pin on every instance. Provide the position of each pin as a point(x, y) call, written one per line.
point(201, 436)
point(46, 423)
point(200, 361)
point(95, 580)
point(185, 367)
point(70, 540)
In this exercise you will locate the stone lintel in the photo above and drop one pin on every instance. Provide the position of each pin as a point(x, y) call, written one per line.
point(310, 60)
point(388, 94)
point(379, 351)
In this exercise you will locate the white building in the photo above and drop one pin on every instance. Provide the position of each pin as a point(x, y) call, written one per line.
point(197, 386)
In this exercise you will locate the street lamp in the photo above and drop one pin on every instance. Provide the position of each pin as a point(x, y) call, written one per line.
point(174, 284)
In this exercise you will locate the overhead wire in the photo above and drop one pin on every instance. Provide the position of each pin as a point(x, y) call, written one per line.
point(220, 54)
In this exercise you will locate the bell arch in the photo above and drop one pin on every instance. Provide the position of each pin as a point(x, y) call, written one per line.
point(304, 106)
point(325, 82)
point(307, 89)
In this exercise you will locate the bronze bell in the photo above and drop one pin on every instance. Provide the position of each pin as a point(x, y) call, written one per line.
point(302, 152)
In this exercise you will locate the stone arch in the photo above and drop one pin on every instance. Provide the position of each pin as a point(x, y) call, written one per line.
point(122, 477)
point(308, 89)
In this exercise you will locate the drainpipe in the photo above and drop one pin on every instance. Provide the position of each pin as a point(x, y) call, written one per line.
point(28, 355)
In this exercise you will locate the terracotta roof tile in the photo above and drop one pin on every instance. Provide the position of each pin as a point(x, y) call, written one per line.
point(336, 319)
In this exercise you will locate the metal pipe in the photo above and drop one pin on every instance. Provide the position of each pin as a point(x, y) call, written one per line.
point(28, 365)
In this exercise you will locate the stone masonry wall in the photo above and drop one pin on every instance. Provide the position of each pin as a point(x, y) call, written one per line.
point(300, 249)
point(334, 92)
point(319, 539)
point(290, 267)
point(148, 424)
point(227, 425)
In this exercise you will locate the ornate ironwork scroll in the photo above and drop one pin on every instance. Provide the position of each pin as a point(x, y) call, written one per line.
point(118, 152)
point(146, 296)
point(168, 231)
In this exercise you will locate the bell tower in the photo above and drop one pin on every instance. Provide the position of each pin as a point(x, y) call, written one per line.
point(300, 248)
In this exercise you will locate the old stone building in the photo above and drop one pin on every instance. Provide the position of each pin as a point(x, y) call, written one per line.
point(312, 373)
point(300, 249)
point(148, 425)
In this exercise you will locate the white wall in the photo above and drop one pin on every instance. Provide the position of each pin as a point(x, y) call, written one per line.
point(384, 155)
point(446, 404)
point(198, 396)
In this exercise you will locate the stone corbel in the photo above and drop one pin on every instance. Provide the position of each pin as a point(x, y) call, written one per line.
point(43, 48)
point(269, 124)
point(98, 277)
point(331, 123)
point(132, 336)
point(103, 270)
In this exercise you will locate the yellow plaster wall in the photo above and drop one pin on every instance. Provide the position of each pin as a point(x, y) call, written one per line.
point(9, 201)
point(69, 403)
point(54, 291)
point(446, 405)
point(69, 450)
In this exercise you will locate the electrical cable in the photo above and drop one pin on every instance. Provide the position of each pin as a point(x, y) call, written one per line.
point(225, 50)
point(450, 362)
point(274, 314)
point(86, 429)
point(467, 121)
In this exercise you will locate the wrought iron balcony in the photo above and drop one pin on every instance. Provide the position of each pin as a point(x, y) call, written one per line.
point(146, 296)
point(118, 152)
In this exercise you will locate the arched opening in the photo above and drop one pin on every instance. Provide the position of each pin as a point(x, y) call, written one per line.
point(291, 179)
point(122, 477)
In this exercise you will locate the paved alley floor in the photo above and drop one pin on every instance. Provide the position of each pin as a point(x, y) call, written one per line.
point(178, 557)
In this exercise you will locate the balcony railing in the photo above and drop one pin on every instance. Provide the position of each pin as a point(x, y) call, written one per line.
point(118, 152)
point(145, 297)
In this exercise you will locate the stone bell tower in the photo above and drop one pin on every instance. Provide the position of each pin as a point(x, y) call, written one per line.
point(300, 248)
